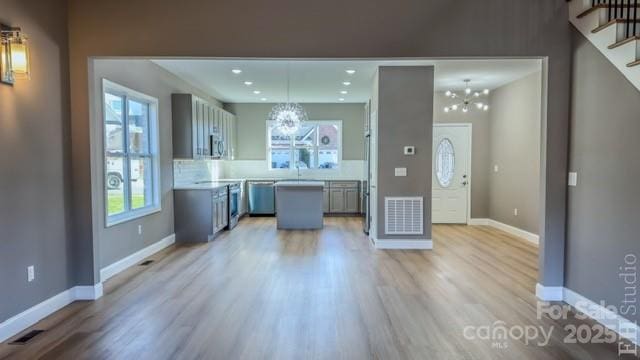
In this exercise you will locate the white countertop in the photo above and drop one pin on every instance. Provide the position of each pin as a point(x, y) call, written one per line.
point(302, 183)
point(205, 185)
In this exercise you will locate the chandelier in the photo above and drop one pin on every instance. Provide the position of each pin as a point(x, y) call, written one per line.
point(288, 116)
point(469, 100)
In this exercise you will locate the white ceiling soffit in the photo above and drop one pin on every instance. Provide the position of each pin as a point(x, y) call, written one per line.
point(321, 81)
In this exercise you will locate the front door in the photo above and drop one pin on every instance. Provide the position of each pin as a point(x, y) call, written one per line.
point(451, 175)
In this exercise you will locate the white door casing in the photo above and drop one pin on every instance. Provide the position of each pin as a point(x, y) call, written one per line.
point(451, 178)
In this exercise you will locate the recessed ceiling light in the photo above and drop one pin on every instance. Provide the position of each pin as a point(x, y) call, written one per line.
point(346, 83)
point(256, 92)
point(248, 83)
point(350, 71)
point(264, 99)
point(344, 92)
point(341, 99)
point(236, 71)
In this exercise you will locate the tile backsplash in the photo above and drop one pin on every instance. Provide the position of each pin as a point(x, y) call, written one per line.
point(188, 171)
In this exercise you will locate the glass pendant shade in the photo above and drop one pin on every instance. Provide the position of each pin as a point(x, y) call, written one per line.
point(20, 59)
point(288, 117)
point(5, 63)
point(14, 55)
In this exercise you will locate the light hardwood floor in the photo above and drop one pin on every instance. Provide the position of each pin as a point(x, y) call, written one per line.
point(258, 293)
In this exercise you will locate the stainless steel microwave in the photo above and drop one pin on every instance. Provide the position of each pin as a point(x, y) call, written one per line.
point(216, 146)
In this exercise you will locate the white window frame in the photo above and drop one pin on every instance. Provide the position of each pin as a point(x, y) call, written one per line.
point(154, 154)
point(292, 146)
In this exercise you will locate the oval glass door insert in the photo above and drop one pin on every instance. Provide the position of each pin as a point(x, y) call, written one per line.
point(445, 162)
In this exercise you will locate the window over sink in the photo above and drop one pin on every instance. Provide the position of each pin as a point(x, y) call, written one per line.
point(316, 145)
point(131, 162)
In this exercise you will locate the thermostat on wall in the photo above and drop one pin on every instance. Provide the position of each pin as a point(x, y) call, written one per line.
point(409, 150)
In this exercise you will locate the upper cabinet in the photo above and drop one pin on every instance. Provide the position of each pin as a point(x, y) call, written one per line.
point(201, 129)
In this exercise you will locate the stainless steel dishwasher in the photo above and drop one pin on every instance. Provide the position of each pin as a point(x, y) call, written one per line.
point(262, 198)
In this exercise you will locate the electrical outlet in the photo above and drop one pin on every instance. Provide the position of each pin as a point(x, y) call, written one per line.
point(515, 211)
point(495, 168)
point(139, 229)
point(31, 273)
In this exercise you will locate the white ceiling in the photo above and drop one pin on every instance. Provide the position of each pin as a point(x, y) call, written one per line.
point(320, 81)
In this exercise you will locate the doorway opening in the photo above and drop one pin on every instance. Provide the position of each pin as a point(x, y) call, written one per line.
point(487, 158)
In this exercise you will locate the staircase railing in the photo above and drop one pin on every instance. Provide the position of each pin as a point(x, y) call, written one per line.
point(625, 11)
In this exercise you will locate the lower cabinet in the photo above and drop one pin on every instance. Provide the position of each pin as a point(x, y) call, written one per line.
point(325, 200)
point(336, 200)
point(219, 211)
point(343, 197)
point(351, 200)
point(200, 214)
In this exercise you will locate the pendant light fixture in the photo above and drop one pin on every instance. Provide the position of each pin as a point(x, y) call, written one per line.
point(288, 116)
point(469, 99)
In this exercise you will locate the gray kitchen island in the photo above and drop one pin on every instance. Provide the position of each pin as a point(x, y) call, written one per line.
point(299, 205)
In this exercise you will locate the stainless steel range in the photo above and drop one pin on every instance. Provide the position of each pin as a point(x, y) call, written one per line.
point(234, 205)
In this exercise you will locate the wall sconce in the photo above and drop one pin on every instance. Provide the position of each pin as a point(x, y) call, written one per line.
point(14, 55)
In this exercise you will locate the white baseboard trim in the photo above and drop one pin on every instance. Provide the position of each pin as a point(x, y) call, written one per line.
point(549, 293)
point(523, 234)
point(599, 313)
point(17, 323)
point(478, 222)
point(88, 292)
point(400, 244)
point(27, 318)
point(122, 264)
point(610, 319)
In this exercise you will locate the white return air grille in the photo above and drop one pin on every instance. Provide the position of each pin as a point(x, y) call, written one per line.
point(403, 215)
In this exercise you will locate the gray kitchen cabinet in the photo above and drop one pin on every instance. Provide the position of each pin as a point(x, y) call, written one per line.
point(215, 212)
point(200, 215)
point(336, 201)
point(351, 200)
point(344, 197)
point(193, 121)
point(228, 132)
point(220, 206)
point(325, 200)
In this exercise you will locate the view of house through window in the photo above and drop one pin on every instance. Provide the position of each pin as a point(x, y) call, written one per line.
point(130, 154)
point(316, 145)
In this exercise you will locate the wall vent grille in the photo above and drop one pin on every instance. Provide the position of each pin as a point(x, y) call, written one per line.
point(404, 215)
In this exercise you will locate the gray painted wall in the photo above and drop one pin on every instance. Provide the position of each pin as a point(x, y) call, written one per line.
point(515, 148)
point(35, 208)
point(603, 218)
point(119, 241)
point(251, 127)
point(534, 28)
point(405, 117)
point(480, 158)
